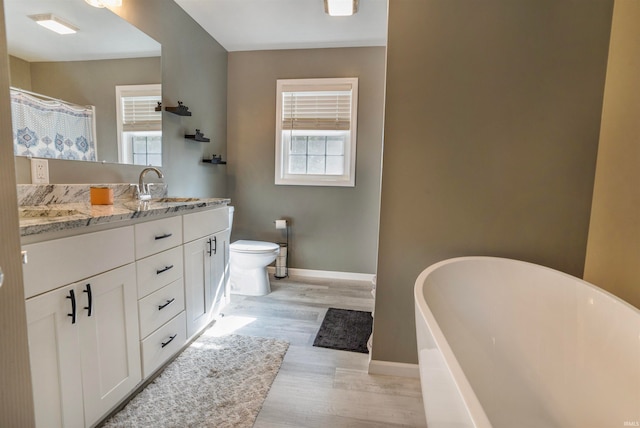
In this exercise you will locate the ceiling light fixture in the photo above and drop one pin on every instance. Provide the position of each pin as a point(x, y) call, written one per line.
point(340, 7)
point(105, 3)
point(54, 23)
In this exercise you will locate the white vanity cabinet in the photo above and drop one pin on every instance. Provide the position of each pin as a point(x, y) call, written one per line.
point(83, 337)
point(107, 309)
point(206, 256)
point(160, 291)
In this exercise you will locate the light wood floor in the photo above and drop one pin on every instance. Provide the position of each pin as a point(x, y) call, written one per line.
point(318, 387)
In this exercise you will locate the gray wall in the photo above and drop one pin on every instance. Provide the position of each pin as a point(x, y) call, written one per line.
point(194, 70)
point(491, 132)
point(16, 399)
point(333, 228)
point(19, 73)
point(614, 233)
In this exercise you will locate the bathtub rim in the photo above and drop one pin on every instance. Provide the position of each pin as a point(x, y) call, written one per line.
point(474, 408)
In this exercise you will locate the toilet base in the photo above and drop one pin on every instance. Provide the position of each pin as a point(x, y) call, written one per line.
point(249, 282)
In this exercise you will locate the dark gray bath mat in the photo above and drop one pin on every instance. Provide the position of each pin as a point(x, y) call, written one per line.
point(345, 330)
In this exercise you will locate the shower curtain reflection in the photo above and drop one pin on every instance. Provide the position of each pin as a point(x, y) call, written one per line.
point(50, 128)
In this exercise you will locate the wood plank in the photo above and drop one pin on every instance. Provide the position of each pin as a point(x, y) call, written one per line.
point(319, 387)
point(357, 380)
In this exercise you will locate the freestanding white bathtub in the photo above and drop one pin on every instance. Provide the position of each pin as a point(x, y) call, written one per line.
point(505, 344)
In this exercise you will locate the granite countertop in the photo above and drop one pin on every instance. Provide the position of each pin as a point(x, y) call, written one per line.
point(54, 208)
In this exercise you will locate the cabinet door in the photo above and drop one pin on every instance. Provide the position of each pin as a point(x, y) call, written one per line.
point(55, 358)
point(197, 282)
point(109, 340)
point(219, 275)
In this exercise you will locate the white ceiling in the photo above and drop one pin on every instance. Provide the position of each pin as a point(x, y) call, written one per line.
point(101, 33)
point(240, 25)
point(236, 24)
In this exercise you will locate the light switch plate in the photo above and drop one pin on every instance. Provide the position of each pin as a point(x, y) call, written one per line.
point(39, 171)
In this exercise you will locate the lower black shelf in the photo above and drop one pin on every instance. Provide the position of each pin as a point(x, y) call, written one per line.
point(197, 138)
point(214, 162)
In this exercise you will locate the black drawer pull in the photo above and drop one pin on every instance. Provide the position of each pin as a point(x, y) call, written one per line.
point(161, 307)
point(166, 235)
point(89, 299)
point(166, 268)
point(72, 296)
point(170, 340)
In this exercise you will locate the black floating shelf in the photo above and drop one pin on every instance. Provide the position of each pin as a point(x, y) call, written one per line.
point(198, 136)
point(180, 109)
point(214, 160)
point(158, 107)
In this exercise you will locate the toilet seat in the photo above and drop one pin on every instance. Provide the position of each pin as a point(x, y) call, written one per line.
point(253, 247)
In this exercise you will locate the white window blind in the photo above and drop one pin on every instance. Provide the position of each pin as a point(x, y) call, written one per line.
point(316, 110)
point(138, 113)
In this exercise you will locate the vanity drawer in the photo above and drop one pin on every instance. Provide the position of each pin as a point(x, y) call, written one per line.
point(203, 223)
point(160, 306)
point(156, 271)
point(158, 235)
point(52, 264)
point(154, 354)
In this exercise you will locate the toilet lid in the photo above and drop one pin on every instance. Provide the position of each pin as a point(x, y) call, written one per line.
point(245, 246)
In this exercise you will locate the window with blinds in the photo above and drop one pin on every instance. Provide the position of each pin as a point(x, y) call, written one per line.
point(316, 131)
point(138, 113)
point(318, 110)
point(139, 125)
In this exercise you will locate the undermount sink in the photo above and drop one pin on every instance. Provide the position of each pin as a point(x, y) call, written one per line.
point(168, 200)
point(46, 212)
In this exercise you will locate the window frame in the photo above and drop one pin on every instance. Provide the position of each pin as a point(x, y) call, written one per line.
point(125, 155)
point(282, 177)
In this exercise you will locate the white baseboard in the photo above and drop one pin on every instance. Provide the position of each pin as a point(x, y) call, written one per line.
point(308, 273)
point(389, 368)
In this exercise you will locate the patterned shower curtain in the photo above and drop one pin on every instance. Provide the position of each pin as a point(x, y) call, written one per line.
point(52, 129)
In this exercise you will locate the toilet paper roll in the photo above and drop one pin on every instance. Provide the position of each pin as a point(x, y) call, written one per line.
point(281, 224)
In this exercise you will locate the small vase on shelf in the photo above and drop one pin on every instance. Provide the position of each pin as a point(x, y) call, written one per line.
point(180, 109)
point(198, 136)
point(214, 159)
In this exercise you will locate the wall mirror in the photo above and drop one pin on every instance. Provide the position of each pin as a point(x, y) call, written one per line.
point(83, 69)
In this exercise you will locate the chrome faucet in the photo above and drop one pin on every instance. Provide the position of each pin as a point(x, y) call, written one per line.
point(144, 194)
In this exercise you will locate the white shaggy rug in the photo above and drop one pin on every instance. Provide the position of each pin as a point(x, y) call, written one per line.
point(216, 382)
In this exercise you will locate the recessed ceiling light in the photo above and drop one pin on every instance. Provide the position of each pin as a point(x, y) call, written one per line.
point(54, 23)
point(105, 3)
point(340, 7)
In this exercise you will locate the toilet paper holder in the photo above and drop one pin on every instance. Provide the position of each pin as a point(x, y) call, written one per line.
point(282, 261)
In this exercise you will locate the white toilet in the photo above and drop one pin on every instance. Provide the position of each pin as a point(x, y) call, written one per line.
point(248, 262)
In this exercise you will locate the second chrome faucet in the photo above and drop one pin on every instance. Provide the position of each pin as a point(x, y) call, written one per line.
point(144, 194)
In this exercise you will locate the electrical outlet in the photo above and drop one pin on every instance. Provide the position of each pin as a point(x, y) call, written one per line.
point(39, 171)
